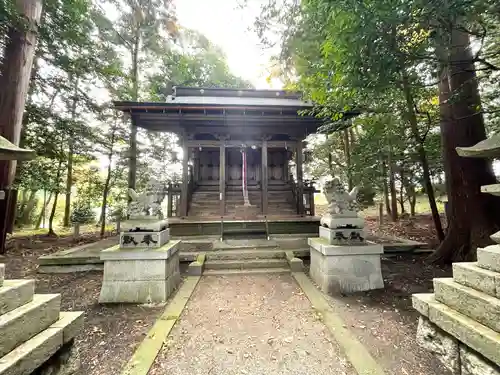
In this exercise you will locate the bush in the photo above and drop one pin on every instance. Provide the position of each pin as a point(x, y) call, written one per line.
point(366, 197)
point(82, 214)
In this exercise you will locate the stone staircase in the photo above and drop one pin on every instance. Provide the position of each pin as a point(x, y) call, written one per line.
point(205, 203)
point(32, 327)
point(249, 257)
point(461, 319)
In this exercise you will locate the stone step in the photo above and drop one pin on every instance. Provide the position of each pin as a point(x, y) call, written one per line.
point(254, 271)
point(15, 293)
point(33, 353)
point(489, 258)
point(470, 302)
point(244, 254)
point(245, 264)
point(471, 275)
point(21, 324)
point(482, 339)
point(2, 273)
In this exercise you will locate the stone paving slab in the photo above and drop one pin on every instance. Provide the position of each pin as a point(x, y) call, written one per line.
point(259, 324)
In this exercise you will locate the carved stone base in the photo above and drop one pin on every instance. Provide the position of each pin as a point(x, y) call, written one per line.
point(334, 222)
point(145, 223)
point(144, 239)
point(343, 236)
point(140, 275)
point(345, 269)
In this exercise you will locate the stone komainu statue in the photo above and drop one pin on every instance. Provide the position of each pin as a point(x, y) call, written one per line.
point(149, 202)
point(340, 202)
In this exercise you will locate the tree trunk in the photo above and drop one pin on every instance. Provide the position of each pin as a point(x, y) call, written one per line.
point(69, 176)
point(69, 184)
point(56, 196)
point(42, 213)
point(132, 170)
point(15, 70)
point(28, 208)
point(52, 215)
point(473, 215)
point(385, 188)
point(392, 188)
point(422, 155)
point(347, 150)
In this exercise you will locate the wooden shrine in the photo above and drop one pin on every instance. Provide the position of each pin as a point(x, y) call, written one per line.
point(244, 152)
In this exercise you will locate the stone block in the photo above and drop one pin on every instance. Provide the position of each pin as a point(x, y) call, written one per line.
point(473, 363)
point(144, 291)
point(71, 323)
point(144, 253)
point(2, 273)
point(129, 240)
point(334, 222)
point(470, 302)
point(144, 224)
point(321, 245)
point(195, 269)
point(342, 236)
point(32, 354)
point(421, 302)
point(444, 346)
point(125, 270)
point(295, 264)
point(471, 275)
point(489, 258)
point(128, 278)
point(482, 339)
point(346, 273)
point(21, 324)
point(15, 293)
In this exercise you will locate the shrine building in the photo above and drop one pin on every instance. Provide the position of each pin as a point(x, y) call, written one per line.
point(243, 155)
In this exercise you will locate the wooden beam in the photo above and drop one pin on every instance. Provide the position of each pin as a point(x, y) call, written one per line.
point(236, 143)
point(222, 177)
point(185, 176)
point(300, 182)
point(265, 177)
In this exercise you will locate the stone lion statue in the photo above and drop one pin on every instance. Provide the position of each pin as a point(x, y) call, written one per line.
point(340, 202)
point(149, 202)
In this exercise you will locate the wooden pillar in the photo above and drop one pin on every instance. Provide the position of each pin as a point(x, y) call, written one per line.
point(196, 165)
point(222, 177)
point(185, 177)
point(265, 177)
point(300, 182)
point(170, 200)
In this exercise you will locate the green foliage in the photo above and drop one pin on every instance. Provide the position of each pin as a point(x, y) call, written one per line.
point(82, 213)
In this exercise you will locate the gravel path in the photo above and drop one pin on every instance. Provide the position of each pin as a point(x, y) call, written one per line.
point(250, 325)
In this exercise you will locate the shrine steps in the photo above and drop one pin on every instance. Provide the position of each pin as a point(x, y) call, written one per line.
point(33, 329)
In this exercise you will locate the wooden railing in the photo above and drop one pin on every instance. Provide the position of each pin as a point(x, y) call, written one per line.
point(174, 199)
point(307, 197)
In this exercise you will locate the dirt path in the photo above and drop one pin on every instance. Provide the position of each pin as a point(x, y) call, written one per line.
point(250, 325)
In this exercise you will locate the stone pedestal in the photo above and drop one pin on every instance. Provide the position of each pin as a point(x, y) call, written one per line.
point(344, 266)
point(460, 321)
point(141, 274)
point(149, 239)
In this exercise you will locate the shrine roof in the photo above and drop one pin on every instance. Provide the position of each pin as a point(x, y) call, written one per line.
point(214, 109)
point(220, 98)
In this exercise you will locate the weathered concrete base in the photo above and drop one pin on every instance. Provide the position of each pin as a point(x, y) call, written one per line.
point(454, 355)
point(347, 222)
point(345, 269)
point(342, 236)
point(295, 264)
point(152, 224)
point(140, 275)
point(196, 268)
point(144, 239)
